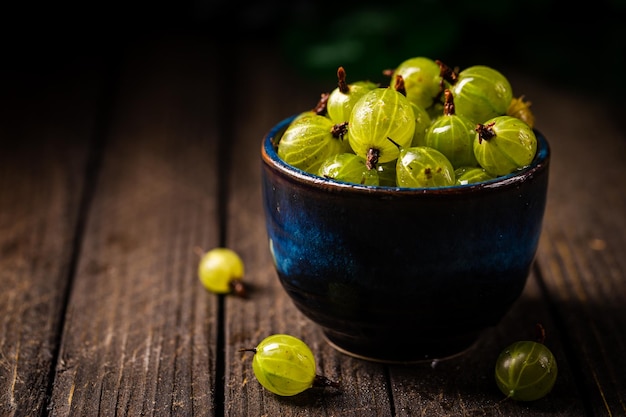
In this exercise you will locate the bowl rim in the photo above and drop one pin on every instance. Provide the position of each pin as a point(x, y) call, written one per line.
point(269, 156)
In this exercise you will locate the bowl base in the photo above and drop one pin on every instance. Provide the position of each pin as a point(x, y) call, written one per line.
point(393, 356)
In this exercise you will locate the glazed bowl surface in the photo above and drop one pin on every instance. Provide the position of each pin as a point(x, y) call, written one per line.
point(402, 274)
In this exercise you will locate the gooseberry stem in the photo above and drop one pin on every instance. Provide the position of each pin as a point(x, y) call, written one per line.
point(320, 381)
point(339, 130)
point(372, 158)
point(541, 333)
point(341, 83)
point(321, 106)
point(399, 85)
point(394, 142)
point(238, 288)
point(448, 104)
point(447, 73)
point(485, 132)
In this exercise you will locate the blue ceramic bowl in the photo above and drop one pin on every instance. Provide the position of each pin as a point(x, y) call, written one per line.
point(402, 275)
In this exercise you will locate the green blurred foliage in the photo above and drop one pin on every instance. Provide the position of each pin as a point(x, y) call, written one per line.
point(553, 39)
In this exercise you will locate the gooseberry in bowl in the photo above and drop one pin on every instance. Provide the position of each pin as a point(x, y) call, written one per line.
point(394, 273)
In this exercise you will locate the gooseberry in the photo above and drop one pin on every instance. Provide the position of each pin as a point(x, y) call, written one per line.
point(526, 371)
point(504, 144)
point(221, 271)
point(423, 166)
point(481, 93)
point(343, 98)
point(348, 167)
point(452, 135)
point(310, 139)
point(380, 114)
point(422, 80)
point(285, 365)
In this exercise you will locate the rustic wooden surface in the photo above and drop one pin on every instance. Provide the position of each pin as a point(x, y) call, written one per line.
point(116, 174)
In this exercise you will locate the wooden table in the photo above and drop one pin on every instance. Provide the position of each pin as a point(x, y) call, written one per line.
point(115, 174)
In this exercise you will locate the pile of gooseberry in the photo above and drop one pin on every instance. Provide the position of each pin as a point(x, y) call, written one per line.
point(431, 126)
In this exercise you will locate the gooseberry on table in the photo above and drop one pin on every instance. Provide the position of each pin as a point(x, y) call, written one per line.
point(526, 370)
point(221, 271)
point(286, 366)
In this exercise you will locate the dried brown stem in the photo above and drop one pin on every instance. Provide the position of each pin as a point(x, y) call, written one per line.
point(447, 73)
point(238, 288)
point(321, 106)
point(485, 132)
point(339, 130)
point(372, 158)
point(399, 85)
point(448, 104)
point(541, 333)
point(341, 83)
point(321, 381)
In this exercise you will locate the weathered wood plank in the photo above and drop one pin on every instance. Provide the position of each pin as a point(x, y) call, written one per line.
point(46, 128)
point(584, 235)
point(140, 334)
point(268, 310)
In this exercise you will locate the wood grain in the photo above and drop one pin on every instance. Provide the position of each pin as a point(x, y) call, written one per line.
point(46, 129)
point(115, 177)
point(140, 334)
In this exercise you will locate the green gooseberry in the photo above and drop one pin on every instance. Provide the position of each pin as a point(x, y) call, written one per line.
point(471, 175)
point(221, 271)
point(422, 123)
point(423, 166)
point(452, 135)
point(309, 140)
point(504, 144)
point(380, 114)
point(422, 80)
point(343, 98)
point(526, 371)
point(348, 167)
point(285, 365)
point(481, 93)
point(387, 173)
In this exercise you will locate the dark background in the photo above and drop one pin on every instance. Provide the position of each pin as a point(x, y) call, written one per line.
point(582, 48)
